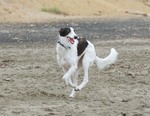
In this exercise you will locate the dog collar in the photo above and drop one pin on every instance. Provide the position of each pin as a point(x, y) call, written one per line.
point(63, 45)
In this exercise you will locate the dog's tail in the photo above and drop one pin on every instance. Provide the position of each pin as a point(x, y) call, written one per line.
point(110, 59)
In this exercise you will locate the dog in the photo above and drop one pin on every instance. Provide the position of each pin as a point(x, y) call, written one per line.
point(75, 53)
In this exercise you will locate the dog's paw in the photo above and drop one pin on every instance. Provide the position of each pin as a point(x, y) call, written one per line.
point(71, 96)
point(78, 88)
point(66, 80)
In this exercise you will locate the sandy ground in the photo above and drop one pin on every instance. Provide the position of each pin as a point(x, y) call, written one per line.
point(31, 10)
point(30, 79)
point(31, 83)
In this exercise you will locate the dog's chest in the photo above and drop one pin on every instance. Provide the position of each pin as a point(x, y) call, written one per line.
point(72, 54)
point(67, 57)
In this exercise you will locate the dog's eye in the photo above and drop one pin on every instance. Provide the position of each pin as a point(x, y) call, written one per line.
point(68, 30)
point(74, 30)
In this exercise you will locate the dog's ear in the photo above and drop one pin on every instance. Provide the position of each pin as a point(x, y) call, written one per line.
point(64, 31)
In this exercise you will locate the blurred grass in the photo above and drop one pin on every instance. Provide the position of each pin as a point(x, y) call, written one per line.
point(53, 10)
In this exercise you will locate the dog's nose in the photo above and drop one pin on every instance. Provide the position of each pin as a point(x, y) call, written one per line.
point(76, 37)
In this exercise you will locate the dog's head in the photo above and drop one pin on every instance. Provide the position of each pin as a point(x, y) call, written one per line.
point(69, 34)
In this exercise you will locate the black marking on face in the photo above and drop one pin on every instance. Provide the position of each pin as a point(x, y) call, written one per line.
point(82, 45)
point(64, 31)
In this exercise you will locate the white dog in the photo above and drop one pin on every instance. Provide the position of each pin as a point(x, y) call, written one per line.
point(74, 53)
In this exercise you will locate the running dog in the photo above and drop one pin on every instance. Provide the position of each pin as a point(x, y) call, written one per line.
point(74, 53)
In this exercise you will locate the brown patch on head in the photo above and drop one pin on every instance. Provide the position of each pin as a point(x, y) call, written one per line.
point(82, 45)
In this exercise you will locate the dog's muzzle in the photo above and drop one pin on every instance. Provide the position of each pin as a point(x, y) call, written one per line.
point(71, 40)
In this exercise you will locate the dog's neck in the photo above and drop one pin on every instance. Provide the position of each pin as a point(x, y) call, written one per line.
point(63, 42)
point(66, 47)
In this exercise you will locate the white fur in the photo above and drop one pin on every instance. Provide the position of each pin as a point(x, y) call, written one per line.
point(110, 59)
point(71, 63)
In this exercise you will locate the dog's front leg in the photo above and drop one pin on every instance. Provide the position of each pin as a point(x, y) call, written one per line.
point(68, 74)
point(74, 78)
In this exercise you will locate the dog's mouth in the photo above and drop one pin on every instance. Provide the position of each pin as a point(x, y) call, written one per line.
point(71, 40)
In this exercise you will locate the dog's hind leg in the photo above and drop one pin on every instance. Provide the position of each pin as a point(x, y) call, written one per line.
point(87, 61)
point(86, 65)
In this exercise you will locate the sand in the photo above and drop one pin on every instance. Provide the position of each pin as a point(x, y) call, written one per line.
point(31, 83)
point(30, 78)
point(30, 11)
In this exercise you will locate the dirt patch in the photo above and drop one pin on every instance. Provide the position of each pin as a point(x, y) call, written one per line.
point(31, 82)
